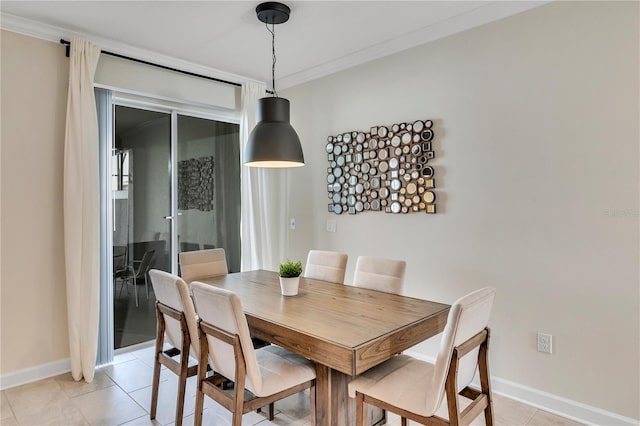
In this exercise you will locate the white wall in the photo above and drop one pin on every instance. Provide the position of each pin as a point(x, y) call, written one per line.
point(537, 172)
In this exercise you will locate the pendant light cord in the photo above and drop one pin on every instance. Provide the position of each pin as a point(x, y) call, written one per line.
point(273, 57)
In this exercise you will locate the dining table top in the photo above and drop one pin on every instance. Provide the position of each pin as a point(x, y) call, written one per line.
point(347, 328)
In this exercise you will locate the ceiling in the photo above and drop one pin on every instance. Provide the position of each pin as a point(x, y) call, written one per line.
point(320, 38)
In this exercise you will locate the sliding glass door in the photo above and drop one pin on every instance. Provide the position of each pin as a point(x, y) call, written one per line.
point(141, 197)
point(175, 186)
point(209, 187)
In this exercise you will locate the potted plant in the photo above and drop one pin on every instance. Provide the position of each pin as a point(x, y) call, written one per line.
point(290, 277)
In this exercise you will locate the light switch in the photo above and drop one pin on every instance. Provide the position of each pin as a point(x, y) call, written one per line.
point(331, 225)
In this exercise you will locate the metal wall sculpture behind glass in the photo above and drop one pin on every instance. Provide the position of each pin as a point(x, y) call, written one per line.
point(196, 184)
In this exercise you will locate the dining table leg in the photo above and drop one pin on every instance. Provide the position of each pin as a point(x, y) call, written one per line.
point(323, 395)
point(333, 405)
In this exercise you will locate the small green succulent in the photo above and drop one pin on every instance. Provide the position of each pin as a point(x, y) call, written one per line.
point(290, 269)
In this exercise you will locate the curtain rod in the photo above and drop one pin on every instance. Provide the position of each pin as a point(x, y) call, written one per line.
point(117, 55)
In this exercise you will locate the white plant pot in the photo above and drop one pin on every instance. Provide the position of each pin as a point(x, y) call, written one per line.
point(289, 286)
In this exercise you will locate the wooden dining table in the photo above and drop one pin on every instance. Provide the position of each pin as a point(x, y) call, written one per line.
point(345, 330)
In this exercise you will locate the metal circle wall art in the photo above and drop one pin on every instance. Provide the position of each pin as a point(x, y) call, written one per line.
point(385, 169)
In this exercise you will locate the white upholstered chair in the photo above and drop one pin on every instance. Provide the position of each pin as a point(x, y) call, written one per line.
point(415, 389)
point(380, 274)
point(202, 264)
point(269, 374)
point(176, 318)
point(326, 266)
point(196, 265)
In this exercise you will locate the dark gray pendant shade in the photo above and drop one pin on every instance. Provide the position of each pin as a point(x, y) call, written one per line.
point(273, 142)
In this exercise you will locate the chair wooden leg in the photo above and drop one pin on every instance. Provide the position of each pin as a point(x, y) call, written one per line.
point(199, 406)
point(485, 383)
point(452, 393)
point(271, 413)
point(154, 390)
point(238, 398)
point(403, 421)
point(156, 364)
point(182, 383)
point(360, 409)
point(202, 374)
point(312, 403)
point(239, 405)
point(239, 384)
point(237, 419)
point(203, 362)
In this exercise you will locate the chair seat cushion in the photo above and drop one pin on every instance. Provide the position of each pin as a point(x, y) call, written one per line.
point(402, 381)
point(281, 370)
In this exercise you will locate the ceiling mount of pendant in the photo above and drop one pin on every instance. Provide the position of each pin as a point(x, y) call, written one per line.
point(273, 12)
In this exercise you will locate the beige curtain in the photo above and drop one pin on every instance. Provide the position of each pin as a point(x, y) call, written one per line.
point(265, 197)
point(82, 210)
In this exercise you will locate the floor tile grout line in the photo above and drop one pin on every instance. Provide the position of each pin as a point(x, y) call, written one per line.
point(13, 414)
point(533, 414)
point(129, 396)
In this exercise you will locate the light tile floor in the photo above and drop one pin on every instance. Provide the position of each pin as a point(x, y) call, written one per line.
point(120, 394)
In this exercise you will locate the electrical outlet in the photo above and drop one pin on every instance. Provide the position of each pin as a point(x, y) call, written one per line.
point(331, 225)
point(545, 343)
point(292, 224)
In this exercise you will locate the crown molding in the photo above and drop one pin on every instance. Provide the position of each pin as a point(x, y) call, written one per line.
point(53, 33)
point(481, 15)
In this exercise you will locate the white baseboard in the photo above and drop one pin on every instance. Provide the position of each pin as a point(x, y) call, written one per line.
point(561, 406)
point(51, 369)
point(36, 373)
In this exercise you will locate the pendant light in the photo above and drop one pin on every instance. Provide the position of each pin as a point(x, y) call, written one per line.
point(273, 142)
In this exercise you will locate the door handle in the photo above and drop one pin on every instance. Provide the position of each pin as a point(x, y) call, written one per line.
point(170, 217)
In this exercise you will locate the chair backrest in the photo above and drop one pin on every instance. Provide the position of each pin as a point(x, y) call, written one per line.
point(326, 266)
point(468, 316)
point(380, 274)
point(137, 249)
point(186, 246)
point(196, 265)
point(150, 235)
point(171, 290)
point(222, 309)
point(145, 263)
point(120, 254)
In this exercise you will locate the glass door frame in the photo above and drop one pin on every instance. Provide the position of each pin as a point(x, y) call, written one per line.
point(174, 109)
